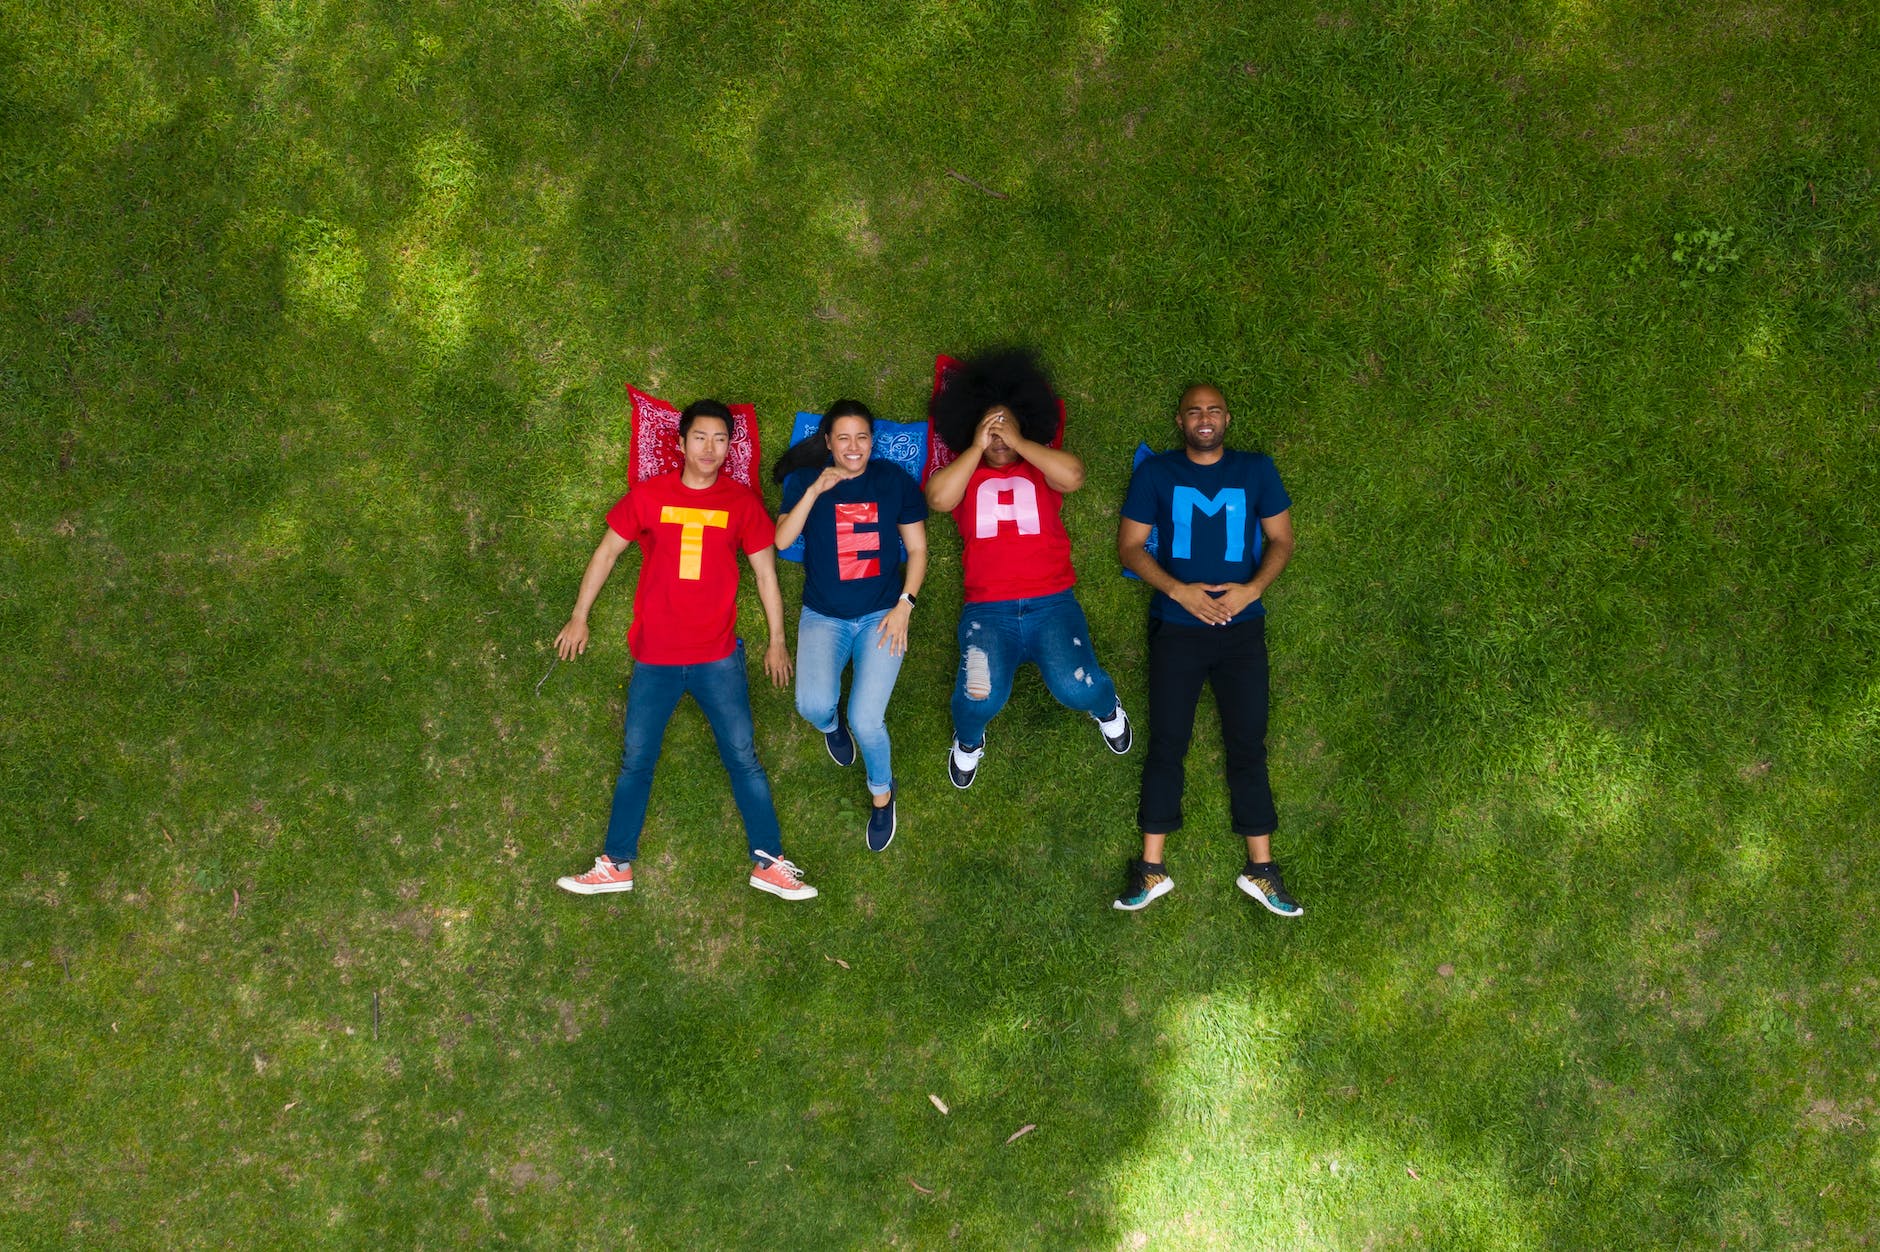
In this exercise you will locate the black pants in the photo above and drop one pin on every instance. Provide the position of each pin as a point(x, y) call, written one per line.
point(1232, 659)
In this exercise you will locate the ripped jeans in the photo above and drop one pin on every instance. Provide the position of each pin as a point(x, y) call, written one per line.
point(998, 636)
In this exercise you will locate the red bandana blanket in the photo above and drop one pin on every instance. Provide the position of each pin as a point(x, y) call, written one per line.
point(653, 442)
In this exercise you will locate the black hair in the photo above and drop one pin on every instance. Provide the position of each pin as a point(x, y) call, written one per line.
point(814, 449)
point(703, 408)
point(1003, 376)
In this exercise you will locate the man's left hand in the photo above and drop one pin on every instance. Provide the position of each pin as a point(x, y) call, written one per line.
point(777, 663)
point(1234, 597)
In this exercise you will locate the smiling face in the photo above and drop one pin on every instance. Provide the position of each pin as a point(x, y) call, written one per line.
point(850, 440)
point(1202, 418)
point(706, 445)
point(998, 453)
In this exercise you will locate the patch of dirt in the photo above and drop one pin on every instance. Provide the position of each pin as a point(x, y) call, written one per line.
point(1830, 1115)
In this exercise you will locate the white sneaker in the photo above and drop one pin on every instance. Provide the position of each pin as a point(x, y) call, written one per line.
point(1117, 736)
point(962, 765)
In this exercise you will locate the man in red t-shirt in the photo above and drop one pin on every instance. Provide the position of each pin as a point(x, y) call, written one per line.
point(690, 525)
point(1006, 492)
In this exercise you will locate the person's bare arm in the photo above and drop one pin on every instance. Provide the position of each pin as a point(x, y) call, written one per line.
point(1131, 540)
point(791, 524)
point(1277, 552)
point(893, 628)
point(777, 652)
point(573, 639)
point(1063, 471)
point(947, 487)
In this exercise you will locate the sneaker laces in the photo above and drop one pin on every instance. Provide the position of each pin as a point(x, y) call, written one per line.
point(1112, 726)
point(602, 866)
point(790, 871)
point(969, 756)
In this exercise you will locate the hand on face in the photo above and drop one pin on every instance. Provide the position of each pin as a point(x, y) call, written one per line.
point(998, 436)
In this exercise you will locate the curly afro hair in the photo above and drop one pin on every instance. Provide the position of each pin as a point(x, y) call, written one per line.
point(1003, 376)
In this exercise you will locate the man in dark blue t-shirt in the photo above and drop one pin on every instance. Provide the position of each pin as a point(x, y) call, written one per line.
point(1226, 533)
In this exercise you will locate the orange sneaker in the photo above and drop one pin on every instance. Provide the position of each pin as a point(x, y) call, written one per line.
point(780, 878)
point(604, 877)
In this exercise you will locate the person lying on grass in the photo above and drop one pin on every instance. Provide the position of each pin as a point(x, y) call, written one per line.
point(1226, 532)
point(1006, 491)
point(855, 514)
point(690, 525)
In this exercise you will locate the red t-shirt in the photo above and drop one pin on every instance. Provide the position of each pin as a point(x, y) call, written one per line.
point(685, 609)
point(1013, 535)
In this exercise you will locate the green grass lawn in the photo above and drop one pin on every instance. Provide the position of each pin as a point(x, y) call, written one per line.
point(315, 320)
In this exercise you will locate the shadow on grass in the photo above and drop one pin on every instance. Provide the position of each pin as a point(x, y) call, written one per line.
point(338, 341)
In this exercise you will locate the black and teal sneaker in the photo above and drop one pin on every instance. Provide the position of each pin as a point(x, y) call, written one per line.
point(1145, 883)
point(1263, 883)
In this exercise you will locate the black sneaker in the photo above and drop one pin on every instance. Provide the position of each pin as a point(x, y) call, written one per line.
point(1262, 882)
point(962, 765)
point(881, 825)
point(1117, 736)
point(841, 744)
point(1145, 883)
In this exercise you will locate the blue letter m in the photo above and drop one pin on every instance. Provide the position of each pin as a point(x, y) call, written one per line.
point(1232, 499)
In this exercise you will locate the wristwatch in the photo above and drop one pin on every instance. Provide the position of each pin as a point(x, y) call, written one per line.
point(909, 597)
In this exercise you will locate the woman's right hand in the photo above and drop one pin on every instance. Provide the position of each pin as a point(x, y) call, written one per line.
point(829, 478)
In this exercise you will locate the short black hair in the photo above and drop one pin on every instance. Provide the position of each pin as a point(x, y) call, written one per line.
point(703, 408)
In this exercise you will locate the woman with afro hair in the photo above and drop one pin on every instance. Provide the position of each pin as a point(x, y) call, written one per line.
point(1005, 490)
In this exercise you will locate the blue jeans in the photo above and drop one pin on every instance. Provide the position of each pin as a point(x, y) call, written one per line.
point(724, 694)
point(823, 646)
point(999, 636)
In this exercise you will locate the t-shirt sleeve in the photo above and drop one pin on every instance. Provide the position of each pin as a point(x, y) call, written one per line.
point(1273, 497)
point(622, 519)
point(1139, 503)
point(913, 504)
point(755, 529)
point(793, 488)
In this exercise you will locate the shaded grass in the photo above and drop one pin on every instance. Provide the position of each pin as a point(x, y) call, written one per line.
point(315, 325)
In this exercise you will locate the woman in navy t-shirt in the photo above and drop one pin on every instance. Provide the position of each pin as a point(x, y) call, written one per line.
point(855, 514)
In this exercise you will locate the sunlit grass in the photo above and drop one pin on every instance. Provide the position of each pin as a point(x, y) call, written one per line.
point(314, 329)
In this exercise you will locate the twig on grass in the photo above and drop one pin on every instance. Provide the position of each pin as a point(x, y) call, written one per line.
point(237, 906)
point(65, 965)
point(632, 39)
point(545, 673)
point(1022, 1131)
point(375, 1016)
point(974, 182)
point(916, 1186)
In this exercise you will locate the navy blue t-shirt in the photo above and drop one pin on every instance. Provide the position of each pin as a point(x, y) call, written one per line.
point(1208, 518)
point(852, 540)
